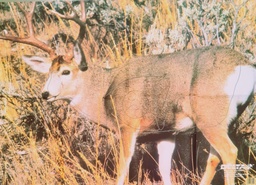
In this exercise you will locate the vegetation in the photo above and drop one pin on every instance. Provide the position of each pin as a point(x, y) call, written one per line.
point(44, 143)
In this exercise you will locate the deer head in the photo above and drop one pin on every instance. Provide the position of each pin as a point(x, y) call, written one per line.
point(66, 57)
point(63, 72)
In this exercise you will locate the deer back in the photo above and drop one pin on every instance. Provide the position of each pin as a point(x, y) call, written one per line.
point(162, 89)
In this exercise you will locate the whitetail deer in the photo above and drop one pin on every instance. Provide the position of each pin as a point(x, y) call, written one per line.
point(208, 88)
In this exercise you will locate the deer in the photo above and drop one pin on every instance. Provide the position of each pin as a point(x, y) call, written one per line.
point(206, 88)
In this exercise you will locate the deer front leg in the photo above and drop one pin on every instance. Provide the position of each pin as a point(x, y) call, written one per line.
point(127, 148)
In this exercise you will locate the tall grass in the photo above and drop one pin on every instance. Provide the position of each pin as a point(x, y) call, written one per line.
point(45, 143)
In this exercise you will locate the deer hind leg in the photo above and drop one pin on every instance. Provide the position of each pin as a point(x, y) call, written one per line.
point(221, 146)
point(212, 163)
point(165, 150)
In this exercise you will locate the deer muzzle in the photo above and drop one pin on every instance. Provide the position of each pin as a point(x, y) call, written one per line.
point(45, 95)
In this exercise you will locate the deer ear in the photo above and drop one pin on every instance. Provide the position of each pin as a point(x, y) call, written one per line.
point(80, 57)
point(39, 64)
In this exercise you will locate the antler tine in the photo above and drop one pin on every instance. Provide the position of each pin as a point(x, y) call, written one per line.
point(30, 39)
point(80, 20)
point(28, 15)
point(82, 30)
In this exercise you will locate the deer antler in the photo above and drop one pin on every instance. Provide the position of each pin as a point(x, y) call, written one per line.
point(81, 21)
point(30, 39)
point(74, 16)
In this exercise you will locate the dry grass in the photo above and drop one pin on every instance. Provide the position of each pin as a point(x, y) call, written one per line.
point(51, 144)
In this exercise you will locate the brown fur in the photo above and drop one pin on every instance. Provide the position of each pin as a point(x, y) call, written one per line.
point(146, 88)
point(158, 94)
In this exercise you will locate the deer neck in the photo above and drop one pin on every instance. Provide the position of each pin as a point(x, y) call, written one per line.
point(89, 101)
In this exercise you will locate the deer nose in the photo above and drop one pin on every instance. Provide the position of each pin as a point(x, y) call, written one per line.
point(45, 95)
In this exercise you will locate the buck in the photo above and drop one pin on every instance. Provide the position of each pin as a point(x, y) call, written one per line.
point(207, 88)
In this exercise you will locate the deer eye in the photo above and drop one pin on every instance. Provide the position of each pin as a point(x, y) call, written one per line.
point(65, 72)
